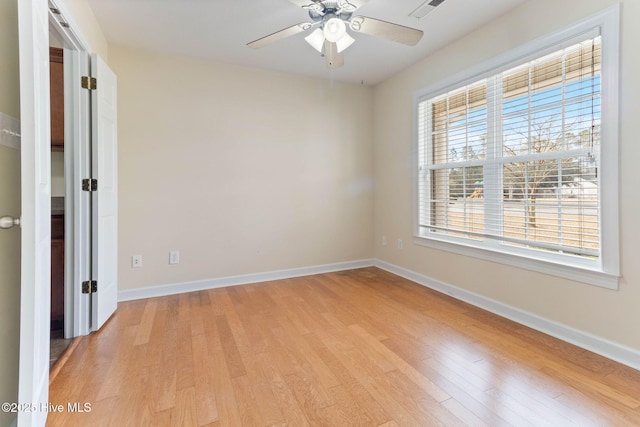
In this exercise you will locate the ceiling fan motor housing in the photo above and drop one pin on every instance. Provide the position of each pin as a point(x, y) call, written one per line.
point(327, 9)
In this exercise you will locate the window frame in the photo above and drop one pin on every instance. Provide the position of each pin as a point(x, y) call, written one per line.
point(606, 271)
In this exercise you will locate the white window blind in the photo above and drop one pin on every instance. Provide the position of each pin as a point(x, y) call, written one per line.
point(512, 161)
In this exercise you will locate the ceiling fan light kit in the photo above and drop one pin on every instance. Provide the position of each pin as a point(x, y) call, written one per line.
point(331, 19)
point(334, 29)
point(344, 42)
point(316, 39)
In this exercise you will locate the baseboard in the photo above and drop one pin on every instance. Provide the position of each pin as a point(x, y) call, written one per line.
point(601, 346)
point(178, 288)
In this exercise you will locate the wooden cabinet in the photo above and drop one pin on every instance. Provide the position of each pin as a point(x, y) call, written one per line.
point(56, 76)
point(57, 272)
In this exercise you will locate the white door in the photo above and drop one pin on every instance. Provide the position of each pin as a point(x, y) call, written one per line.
point(77, 209)
point(33, 383)
point(104, 153)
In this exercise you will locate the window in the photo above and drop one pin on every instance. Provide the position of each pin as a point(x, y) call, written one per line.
point(511, 161)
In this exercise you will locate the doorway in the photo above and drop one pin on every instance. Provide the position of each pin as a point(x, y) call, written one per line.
point(90, 120)
point(70, 158)
point(90, 161)
point(58, 341)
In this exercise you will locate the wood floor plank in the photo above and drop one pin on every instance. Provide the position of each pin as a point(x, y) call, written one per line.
point(236, 327)
point(515, 376)
point(229, 348)
point(115, 378)
point(255, 383)
point(517, 412)
point(373, 380)
point(144, 329)
point(417, 401)
point(261, 387)
point(135, 399)
point(320, 370)
point(346, 411)
point(463, 414)
point(459, 375)
point(424, 383)
point(228, 408)
point(532, 388)
point(478, 404)
point(554, 366)
point(185, 413)
point(304, 315)
point(580, 408)
point(163, 394)
point(361, 398)
point(100, 414)
point(196, 310)
point(358, 347)
point(248, 409)
point(313, 386)
point(308, 398)
point(184, 358)
point(204, 370)
point(593, 387)
point(292, 412)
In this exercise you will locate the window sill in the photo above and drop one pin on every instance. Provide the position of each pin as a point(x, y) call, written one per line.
point(578, 274)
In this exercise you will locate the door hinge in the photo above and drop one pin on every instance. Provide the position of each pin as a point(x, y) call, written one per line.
point(89, 287)
point(89, 184)
point(89, 83)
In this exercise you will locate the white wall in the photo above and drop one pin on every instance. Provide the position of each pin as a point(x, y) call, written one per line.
point(611, 315)
point(87, 25)
point(9, 205)
point(241, 170)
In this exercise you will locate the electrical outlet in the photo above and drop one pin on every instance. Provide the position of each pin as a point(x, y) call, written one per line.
point(174, 257)
point(400, 246)
point(384, 240)
point(136, 261)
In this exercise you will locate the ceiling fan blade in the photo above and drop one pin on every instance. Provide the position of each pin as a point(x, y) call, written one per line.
point(386, 30)
point(279, 35)
point(304, 3)
point(334, 58)
point(356, 3)
point(342, 3)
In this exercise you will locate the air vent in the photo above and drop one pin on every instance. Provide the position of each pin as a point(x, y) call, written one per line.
point(426, 8)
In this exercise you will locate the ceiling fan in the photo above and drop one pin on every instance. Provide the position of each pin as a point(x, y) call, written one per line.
point(330, 37)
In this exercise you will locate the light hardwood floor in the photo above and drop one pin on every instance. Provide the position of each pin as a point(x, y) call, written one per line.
point(362, 347)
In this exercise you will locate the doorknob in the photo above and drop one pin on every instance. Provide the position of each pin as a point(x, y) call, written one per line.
point(9, 221)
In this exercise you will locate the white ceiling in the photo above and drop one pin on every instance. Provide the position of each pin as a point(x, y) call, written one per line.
point(220, 29)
